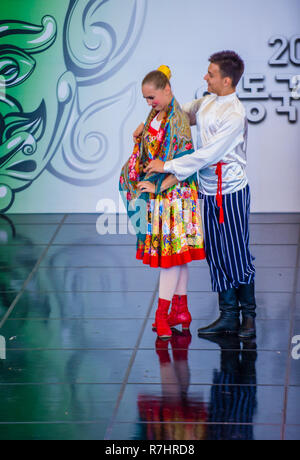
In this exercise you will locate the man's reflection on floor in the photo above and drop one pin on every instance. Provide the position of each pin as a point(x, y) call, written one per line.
point(233, 393)
point(175, 415)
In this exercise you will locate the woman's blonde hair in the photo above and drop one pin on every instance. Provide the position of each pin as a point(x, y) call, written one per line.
point(160, 78)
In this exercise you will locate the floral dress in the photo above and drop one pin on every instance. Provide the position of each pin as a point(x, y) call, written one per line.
point(174, 234)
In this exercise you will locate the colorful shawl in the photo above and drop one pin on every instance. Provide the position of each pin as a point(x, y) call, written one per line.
point(174, 139)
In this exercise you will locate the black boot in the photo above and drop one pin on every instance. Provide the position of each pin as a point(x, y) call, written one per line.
point(246, 298)
point(228, 322)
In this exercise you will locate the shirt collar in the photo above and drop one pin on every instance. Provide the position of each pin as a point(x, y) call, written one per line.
point(227, 98)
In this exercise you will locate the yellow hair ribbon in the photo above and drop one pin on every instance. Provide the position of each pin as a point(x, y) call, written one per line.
point(165, 70)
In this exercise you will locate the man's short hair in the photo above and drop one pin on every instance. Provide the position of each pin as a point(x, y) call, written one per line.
point(230, 63)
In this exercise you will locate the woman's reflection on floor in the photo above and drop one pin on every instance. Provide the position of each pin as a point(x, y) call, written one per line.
point(175, 415)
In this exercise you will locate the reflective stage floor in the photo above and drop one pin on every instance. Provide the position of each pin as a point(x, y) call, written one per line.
point(79, 360)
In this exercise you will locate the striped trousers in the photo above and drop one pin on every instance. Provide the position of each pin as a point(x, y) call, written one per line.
point(227, 245)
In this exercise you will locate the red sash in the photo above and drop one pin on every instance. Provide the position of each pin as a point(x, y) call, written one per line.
point(219, 190)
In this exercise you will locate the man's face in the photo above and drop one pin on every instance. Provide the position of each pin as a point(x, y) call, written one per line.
point(215, 82)
point(158, 99)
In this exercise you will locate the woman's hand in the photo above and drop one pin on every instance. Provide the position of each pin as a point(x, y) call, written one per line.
point(138, 132)
point(146, 186)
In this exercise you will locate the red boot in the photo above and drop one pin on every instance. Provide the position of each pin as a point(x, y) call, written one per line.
point(161, 319)
point(180, 313)
point(174, 303)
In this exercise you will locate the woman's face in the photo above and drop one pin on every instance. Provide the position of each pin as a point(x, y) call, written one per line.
point(158, 99)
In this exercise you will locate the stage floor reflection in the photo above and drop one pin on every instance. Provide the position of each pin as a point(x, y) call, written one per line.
point(79, 359)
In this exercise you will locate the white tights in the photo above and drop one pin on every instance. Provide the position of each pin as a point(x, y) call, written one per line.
point(172, 281)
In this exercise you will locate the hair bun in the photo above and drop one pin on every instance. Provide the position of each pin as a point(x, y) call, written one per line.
point(165, 70)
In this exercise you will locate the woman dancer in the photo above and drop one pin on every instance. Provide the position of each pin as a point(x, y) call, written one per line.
point(173, 234)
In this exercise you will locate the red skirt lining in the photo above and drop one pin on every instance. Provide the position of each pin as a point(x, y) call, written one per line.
point(173, 259)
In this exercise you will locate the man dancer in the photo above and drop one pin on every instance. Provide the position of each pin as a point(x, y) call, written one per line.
point(221, 161)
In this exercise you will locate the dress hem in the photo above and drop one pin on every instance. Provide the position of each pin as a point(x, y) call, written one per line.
point(172, 260)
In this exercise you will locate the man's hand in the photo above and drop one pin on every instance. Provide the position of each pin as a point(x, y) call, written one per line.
point(138, 132)
point(155, 166)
